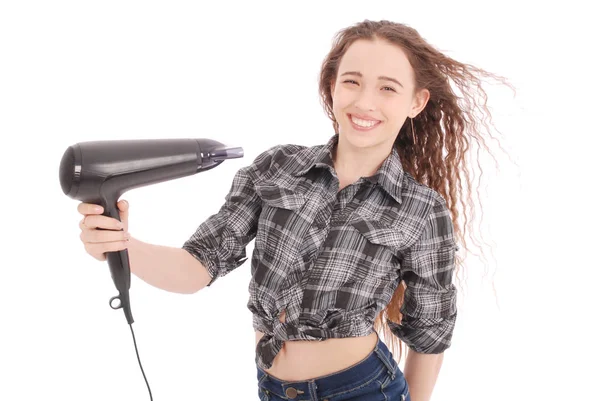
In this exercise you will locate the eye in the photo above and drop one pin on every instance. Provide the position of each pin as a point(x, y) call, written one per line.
point(385, 87)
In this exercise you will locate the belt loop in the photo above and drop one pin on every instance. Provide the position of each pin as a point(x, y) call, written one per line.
point(386, 362)
point(312, 389)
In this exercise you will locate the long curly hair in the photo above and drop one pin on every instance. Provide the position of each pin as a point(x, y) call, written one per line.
point(444, 130)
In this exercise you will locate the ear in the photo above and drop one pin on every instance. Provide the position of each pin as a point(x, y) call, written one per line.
point(332, 86)
point(420, 101)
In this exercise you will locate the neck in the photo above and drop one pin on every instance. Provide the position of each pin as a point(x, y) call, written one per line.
point(352, 163)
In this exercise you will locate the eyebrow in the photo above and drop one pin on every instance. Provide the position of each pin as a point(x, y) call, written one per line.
point(380, 77)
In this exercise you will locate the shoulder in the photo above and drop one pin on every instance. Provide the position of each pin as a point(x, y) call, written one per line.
point(278, 153)
point(287, 157)
point(416, 192)
point(434, 215)
point(421, 198)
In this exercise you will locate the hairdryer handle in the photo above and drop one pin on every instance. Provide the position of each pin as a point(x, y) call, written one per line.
point(118, 262)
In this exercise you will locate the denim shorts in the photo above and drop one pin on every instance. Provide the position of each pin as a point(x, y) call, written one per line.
point(376, 377)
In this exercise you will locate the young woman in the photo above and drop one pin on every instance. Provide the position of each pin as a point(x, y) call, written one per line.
point(348, 233)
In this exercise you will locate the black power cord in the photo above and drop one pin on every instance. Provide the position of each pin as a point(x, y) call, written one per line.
point(138, 357)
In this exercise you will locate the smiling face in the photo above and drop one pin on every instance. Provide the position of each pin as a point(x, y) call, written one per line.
point(373, 94)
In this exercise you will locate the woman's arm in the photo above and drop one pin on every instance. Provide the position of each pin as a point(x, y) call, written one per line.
point(421, 372)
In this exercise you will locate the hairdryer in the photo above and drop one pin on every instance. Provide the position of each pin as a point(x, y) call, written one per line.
point(99, 172)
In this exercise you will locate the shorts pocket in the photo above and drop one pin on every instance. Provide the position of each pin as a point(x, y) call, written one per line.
point(264, 395)
point(395, 387)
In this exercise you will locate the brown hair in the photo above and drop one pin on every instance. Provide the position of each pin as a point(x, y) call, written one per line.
point(442, 123)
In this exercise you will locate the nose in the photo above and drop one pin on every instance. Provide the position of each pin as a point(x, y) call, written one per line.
point(366, 101)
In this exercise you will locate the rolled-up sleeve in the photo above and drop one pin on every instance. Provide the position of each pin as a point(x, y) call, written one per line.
point(429, 306)
point(219, 243)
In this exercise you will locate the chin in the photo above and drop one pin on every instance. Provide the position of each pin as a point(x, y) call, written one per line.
point(360, 139)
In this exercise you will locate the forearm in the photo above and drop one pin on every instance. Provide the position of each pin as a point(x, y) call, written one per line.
point(421, 372)
point(168, 268)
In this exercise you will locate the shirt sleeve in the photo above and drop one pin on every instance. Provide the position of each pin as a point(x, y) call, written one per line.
point(429, 306)
point(219, 243)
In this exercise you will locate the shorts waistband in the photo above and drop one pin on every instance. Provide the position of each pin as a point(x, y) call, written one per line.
point(378, 360)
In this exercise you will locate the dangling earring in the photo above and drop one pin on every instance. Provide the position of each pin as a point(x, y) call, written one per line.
point(413, 131)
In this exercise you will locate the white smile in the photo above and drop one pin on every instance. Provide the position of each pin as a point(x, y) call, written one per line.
point(363, 123)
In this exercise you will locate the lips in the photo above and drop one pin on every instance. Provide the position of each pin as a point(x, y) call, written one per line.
point(366, 118)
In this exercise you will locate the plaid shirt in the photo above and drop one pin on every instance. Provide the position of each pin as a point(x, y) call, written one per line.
point(333, 259)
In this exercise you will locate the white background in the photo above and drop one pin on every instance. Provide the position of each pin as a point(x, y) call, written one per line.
point(245, 73)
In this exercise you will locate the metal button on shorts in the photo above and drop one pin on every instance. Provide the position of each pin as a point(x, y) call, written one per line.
point(291, 392)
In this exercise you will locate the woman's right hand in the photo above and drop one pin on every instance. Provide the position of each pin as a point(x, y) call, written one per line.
point(113, 237)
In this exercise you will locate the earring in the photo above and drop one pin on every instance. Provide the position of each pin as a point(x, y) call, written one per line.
point(413, 131)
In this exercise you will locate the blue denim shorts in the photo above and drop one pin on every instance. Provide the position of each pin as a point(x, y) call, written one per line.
point(376, 377)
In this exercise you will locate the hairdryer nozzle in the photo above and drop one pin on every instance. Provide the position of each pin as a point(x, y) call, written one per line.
point(223, 153)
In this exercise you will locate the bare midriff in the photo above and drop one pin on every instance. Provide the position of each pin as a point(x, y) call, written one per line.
point(305, 360)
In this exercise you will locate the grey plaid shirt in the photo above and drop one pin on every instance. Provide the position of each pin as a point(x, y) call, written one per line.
point(333, 260)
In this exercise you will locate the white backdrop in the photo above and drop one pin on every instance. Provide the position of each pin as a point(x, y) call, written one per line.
point(245, 73)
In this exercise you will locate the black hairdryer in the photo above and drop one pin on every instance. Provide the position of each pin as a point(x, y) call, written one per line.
point(99, 172)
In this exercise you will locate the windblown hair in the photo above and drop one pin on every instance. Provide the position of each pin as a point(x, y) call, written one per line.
point(444, 129)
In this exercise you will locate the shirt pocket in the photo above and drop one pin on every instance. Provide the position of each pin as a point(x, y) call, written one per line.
point(379, 247)
point(279, 197)
point(281, 228)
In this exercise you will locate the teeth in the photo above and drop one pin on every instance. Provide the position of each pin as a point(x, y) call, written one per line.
point(363, 123)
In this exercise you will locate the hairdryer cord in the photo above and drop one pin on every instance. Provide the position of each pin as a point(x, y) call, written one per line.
point(138, 357)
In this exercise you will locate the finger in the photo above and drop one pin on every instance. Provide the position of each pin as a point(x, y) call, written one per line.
point(98, 250)
point(91, 222)
point(124, 212)
point(113, 246)
point(92, 250)
point(123, 205)
point(103, 236)
point(89, 208)
point(101, 257)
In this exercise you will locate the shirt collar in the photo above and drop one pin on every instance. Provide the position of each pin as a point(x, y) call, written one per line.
point(389, 176)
